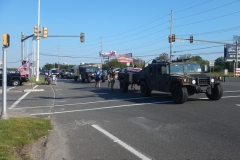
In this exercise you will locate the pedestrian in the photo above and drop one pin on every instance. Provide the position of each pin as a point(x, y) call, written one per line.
point(112, 77)
point(134, 85)
point(98, 74)
point(109, 79)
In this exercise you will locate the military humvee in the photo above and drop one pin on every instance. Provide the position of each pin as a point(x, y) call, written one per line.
point(87, 72)
point(181, 78)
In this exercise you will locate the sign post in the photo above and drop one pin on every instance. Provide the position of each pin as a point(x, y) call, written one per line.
point(4, 84)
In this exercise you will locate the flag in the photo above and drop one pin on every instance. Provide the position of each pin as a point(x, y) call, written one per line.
point(128, 55)
point(125, 58)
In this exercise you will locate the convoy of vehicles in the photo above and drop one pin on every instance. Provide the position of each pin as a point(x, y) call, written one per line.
point(181, 78)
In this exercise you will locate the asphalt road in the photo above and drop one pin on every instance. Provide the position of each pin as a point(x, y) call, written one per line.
point(97, 123)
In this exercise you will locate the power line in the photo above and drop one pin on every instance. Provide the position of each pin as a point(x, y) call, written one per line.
point(206, 10)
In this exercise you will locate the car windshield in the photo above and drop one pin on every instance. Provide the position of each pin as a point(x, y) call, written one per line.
point(192, 68)
point(90, 69)
point(176, 69)
point(181, 68)
point(54, 71)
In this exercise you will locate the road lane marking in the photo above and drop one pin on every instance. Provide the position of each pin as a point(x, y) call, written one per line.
point(231, 91)
point(19, 100)
point(7, 89)
point(110, 107)
point(73, 104)
point(123, 144)
point(231, 96)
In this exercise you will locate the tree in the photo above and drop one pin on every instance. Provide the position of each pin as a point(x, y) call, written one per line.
point(163, 57)
point(236, 38)
point(139, 62)
point(185, 56)
point(113, 63)
point(199, 60)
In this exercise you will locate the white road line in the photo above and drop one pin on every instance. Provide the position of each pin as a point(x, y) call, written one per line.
point(73, 104)
point(7, 89)
point(10, 88)
point(232, 91)
point(93, 109)
point(123, 144)
point(21, 98)
point(231, 96)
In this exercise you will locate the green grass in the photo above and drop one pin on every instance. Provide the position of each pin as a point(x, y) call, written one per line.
point(33, 81)
point(230, 74)
point(15, 133)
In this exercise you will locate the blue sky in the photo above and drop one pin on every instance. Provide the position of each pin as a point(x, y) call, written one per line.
point(139, 27)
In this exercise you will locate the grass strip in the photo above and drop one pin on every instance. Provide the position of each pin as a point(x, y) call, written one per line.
point(15, 133)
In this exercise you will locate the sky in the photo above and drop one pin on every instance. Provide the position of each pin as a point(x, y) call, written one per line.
point(140, 27)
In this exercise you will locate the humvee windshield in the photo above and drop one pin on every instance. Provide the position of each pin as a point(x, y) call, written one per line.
point(90, 69)
point(181, 68)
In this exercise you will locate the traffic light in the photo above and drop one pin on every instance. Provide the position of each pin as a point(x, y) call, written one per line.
point(36, 31)
point(191, 39)
point(82, 37)
point(173, 37)
point(6, 40)
point(169, 39)
point(45, 32)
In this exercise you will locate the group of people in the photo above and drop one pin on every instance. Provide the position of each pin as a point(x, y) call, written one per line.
point(111, 77)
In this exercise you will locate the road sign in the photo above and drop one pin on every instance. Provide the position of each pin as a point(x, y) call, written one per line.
point(211, 63)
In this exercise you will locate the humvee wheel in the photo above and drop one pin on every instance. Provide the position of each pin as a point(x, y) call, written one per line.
point(217, 93)
point(89, 79)
point(123, 86)
point(144, 89)
point(179, 94)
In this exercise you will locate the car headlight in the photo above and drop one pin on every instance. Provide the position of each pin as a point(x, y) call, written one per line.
point(212, 80)
point(220, 78)
point(194, 81)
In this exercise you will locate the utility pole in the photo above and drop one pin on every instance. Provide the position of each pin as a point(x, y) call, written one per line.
point(171, 35)
point(22, 36)
point(101, 50)
point(58, 58)
point(38, 48)
point(236, 54)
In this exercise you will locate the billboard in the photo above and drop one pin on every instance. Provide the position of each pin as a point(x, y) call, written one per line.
point(107, 54)
point(125, 58)
point(230, 52)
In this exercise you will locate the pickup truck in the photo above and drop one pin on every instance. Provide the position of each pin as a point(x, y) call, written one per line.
point(13, 79)
point(181, 78)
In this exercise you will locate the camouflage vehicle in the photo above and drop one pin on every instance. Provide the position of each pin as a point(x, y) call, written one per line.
point(180, 78)
point(86, 72)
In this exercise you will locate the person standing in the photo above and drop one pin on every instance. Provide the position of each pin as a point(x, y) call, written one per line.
point(109, 72)
point(98, 74)
point(112, 77)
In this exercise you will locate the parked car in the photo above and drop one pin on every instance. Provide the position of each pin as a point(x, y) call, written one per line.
point(53, 71)
point(13, 79)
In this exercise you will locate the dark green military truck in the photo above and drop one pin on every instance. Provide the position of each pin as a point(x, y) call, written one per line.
point(86, 72)
point(180, 78)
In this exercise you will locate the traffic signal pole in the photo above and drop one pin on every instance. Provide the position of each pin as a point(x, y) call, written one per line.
point(171, 35)
point(4, 84)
